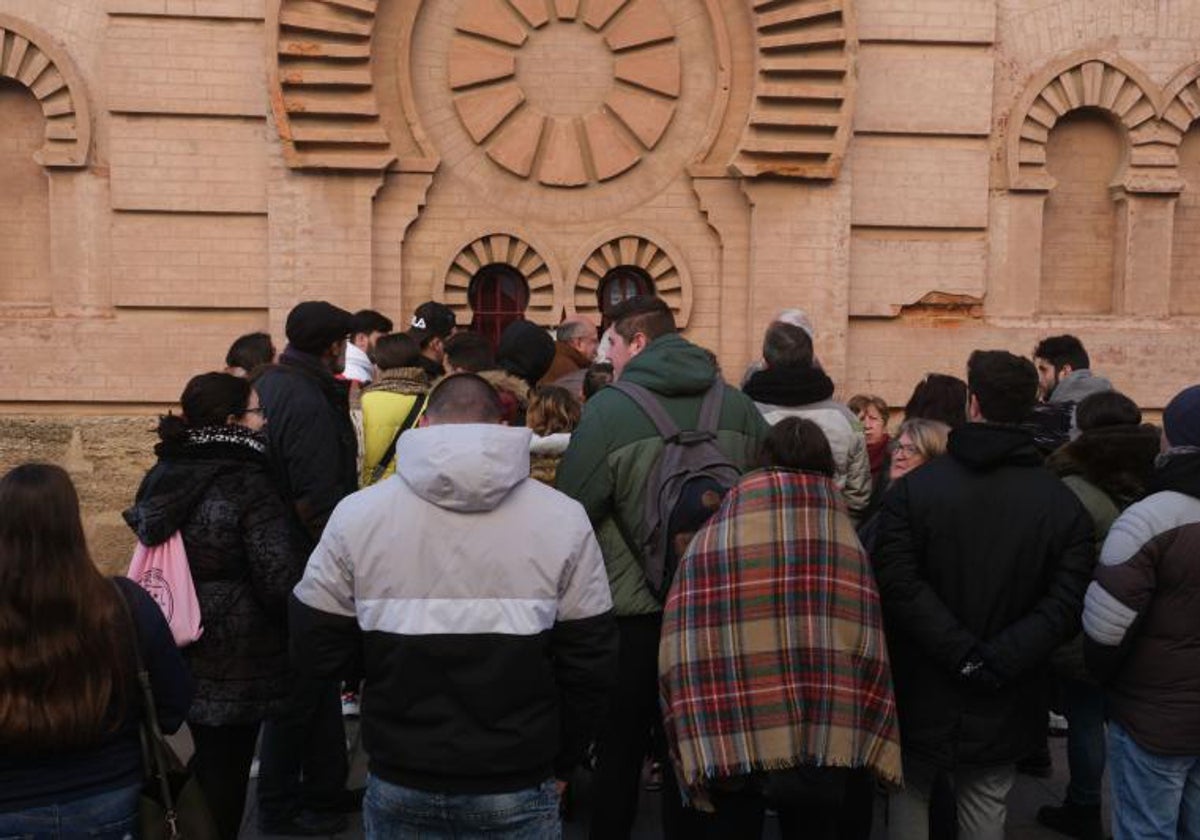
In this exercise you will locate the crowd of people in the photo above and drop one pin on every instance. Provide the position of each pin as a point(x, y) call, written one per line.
point(519, 559)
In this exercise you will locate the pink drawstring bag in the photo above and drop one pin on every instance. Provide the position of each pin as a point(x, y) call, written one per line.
point(162, 570)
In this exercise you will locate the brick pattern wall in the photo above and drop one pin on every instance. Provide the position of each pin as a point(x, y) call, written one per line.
point(24, 200)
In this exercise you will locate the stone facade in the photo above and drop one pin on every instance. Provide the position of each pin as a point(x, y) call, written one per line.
point(923, 176)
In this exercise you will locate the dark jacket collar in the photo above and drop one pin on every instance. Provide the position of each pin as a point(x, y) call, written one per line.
point(1178, 470)
point(1117, 459)
point(987, 446)
point(789, 386)
point(336, 391)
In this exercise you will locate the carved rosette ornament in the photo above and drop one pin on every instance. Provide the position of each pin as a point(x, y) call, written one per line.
point(564, 94)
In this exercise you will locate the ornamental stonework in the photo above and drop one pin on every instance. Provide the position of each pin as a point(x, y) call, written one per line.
point(506, 68)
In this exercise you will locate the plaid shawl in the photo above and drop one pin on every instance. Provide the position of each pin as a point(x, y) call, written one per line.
point(772, 652)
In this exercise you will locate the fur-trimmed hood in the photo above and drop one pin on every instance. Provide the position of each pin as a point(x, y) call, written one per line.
point(1117, 459)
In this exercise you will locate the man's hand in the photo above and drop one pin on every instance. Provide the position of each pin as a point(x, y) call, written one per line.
point(977, 675)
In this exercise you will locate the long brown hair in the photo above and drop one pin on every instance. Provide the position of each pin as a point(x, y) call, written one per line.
point(64, 648)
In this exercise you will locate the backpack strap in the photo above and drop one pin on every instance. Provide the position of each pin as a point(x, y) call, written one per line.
point(650, 405)
point(390, 452)
point(706, 426)
point(710, 409)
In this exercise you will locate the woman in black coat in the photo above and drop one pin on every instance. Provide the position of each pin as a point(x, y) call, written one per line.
point(213, 484)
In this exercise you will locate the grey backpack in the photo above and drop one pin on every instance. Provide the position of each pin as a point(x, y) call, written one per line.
point(686, 485)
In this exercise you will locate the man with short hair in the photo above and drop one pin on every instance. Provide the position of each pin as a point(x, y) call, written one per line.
point(248, 353)
point(792, 385)
point(1064, 371)
point(487, 640)
point(1141, 621)
point(432, 323)
point(982, 560)
point(576, 341)
point(311, 441)
point(366, 327)
point(607, 467)
point(468, 352)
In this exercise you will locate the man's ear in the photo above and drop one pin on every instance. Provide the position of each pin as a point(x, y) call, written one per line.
point(1065, 370)
point(638, 344)
point(422, 421)
point(973, 412)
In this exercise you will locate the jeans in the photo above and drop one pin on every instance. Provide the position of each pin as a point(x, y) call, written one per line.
point(1083, 706)
point(1153, 796)
point(303, 761)
point(111, 815)
point(222, 767)
point(981, 794)
point(391, 811)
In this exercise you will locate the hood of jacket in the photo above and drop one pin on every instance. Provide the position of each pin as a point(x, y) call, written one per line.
point(464, 467)
point(406, 380)
point(1179, 470)
point(1117, 459)
point(1079, 384)
point(672, 366)
point(988, 446)
point(789, 386)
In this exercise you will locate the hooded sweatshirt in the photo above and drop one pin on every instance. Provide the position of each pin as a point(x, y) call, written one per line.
point(486, 637)
point(1078, 384)
point(614, 449)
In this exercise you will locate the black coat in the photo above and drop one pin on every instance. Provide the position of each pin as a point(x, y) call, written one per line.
point(313, 446)
point(244, 558)
point(982, 550)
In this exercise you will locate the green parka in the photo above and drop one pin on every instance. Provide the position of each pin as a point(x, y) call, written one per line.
point(612, 452)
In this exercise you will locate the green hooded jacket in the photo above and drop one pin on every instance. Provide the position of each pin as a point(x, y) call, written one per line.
point(612, 452)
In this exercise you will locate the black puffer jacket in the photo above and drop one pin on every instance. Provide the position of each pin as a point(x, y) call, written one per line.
point(216, 488)
point(981, 550)
point(314, 449)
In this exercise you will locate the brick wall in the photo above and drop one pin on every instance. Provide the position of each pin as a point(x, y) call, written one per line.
point(24, 201)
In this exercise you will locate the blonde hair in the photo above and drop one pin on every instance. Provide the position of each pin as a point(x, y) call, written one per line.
point(928, 436)
point(551, 410)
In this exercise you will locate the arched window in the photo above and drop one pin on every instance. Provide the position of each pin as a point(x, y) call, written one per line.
point(619, 284)
point(1079, 230)
point(498, 295)
point(24, 199)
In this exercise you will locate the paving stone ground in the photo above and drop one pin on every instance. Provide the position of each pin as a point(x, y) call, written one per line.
point(1027, 796)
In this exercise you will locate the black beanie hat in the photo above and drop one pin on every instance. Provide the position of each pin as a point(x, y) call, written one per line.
point(526, 350)
point(1181, 418)
point(315, 324)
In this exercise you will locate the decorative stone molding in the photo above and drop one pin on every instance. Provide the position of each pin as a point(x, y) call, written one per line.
point(663, 264)
point(1107, 83)
point(1181, 100)
point(801, 119)
point(32, 58)
point(321, 87)
point(590, 124)
point(509, 249)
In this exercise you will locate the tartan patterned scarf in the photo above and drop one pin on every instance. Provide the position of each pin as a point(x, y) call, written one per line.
point(772, 653)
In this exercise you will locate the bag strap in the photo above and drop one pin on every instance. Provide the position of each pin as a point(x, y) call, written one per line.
point(390, 452)
point(650, 406)
point(151, 731)
point(710, 409)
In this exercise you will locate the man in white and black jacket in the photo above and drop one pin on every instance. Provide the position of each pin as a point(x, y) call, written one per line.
point(478, 602)
point(1141, 618)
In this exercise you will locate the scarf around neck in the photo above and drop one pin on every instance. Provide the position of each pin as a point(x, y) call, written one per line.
point(772, 653)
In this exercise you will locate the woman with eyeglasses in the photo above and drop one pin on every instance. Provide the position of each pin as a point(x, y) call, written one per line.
point(213, 484)
point(917, 441)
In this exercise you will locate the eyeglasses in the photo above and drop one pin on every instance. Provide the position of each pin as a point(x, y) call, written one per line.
point(906, 449)
point(260, 411)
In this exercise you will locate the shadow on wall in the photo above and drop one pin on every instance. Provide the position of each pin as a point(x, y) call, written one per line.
point(106, 457)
